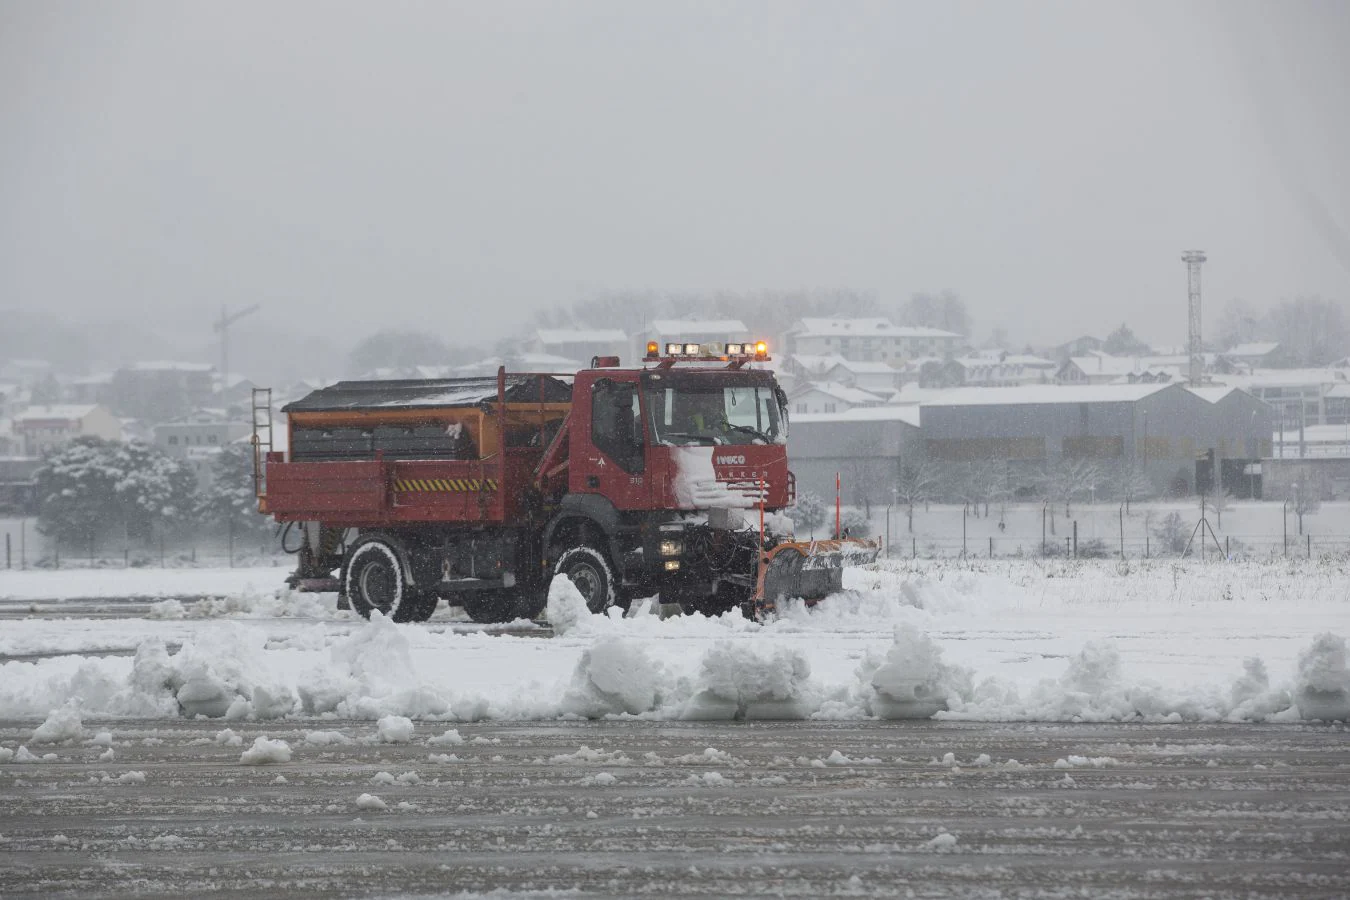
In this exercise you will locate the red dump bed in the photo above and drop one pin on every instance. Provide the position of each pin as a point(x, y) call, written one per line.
point(365, 454)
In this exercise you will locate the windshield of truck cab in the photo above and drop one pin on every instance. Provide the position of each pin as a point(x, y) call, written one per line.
point(711, 411)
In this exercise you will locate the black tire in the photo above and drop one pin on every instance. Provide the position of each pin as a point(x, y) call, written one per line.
point(374, 579)
point(590, 574)
point(495, 607)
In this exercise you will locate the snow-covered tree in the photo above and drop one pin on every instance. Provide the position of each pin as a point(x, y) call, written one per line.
point(91, 487)
point(917, 482)
point(1130, 484)
point(229, 499)
point(808, 513)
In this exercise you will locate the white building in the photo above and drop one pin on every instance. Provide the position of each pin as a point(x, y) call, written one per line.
point(578, 343)
point(869, 340)
point(41, 429)
point(876, 377)
point(1003, 369)
point(829, 397)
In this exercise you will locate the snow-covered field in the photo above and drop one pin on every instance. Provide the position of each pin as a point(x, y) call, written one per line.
point(1006, 641)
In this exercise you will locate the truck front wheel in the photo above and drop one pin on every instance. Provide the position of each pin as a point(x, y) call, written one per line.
point(375, 580)
point(590, 574)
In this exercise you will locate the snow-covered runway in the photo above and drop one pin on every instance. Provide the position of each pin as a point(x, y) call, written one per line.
point(1005, 641)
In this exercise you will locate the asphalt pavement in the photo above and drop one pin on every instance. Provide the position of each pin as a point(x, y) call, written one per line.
point(794, 809)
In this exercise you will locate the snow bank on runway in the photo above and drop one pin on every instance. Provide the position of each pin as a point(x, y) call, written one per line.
point(1004, 644)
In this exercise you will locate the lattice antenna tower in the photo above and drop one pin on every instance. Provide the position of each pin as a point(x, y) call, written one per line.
point(1193, 259)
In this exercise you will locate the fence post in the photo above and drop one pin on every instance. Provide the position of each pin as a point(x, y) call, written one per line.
point(1146, 548)
point(991, 546)
point(1075, 538)
point(126, 557)
point(1068, 550)
point(1227, 553)
point(1309, 546)
point(914, 547)
point(56, 553)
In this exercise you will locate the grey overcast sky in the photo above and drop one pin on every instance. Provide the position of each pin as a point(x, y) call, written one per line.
point(453, 166)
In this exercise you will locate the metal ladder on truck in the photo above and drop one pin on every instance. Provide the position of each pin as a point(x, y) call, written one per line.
point(262, 438)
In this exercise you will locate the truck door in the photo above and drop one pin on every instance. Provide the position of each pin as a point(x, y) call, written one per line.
point(614, 463)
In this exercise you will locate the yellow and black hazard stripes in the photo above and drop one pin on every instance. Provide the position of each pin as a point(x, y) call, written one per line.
point(444, 485)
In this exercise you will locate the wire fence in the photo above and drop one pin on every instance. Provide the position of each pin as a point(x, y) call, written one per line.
point(1212, 546)
point(24, 548)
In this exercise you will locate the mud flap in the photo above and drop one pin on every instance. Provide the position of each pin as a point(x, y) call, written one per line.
point(809, 570)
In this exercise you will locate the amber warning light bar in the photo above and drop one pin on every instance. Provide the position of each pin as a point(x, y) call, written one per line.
point(732, 351)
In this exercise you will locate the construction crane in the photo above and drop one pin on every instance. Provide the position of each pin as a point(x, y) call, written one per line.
point(222, 327)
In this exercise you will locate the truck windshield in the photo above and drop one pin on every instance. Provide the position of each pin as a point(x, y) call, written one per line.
point(689, 412)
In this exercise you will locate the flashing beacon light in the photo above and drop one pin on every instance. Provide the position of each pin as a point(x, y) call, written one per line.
point(761, 348)
point(653, 350)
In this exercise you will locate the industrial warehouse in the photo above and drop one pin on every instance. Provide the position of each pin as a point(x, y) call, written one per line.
point(1165, 439)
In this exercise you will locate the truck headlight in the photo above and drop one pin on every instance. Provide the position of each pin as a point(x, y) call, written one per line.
point(672, 548)
point(672, 565)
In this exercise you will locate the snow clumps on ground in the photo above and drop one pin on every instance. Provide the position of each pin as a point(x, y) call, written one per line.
point(265, 752)
point(64, 724)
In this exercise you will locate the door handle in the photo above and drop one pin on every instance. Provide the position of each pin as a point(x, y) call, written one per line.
point(593, 481)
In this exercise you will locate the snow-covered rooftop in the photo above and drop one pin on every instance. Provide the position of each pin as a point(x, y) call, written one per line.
point(580, 336)
point(1261, 348)
point(910, 415)
point(62, 413)
point(731, 328)
point(865, 327)
point(839, 392)
point(865, 368)
point(1035, 394)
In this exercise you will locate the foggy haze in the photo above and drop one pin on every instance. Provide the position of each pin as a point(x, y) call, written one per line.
point(453, 168)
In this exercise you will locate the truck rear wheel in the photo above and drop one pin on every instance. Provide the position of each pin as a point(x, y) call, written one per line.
point(590, 574)
point(375, 580)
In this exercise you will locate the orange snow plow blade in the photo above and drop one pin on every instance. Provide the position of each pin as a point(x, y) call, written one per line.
point(810, 570)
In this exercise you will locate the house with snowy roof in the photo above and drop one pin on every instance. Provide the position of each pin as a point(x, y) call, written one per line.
point(578, 343)
point(870, 339)
point(41, 429)
point(829, 397)
point(876, 377)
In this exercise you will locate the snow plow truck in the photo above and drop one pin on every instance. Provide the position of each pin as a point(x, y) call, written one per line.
point(666, 479)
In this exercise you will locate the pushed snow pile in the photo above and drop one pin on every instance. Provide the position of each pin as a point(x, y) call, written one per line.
point(263, 752)
point(62, 725)
point(913, 682)
point(615, 676)
point(1251, 695)
point(737, 682)
point(225, 677)
point(451, 737)
point(566, 608)
point(1323, 690)
point(394, 729)
point(370, 801)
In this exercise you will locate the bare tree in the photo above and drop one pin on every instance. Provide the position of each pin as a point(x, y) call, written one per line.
point(1131, 484)
point(1306, 494)
point(1072, 478)
point(916, 482)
